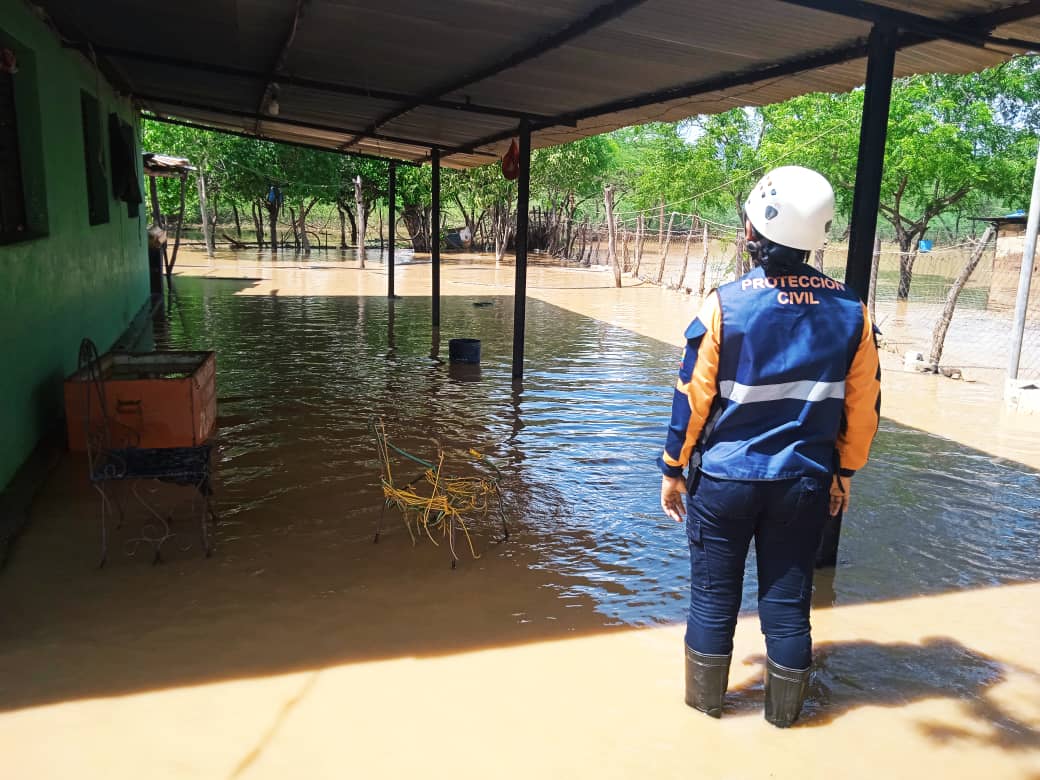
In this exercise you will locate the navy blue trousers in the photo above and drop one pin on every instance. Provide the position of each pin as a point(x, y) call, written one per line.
point(785, 518)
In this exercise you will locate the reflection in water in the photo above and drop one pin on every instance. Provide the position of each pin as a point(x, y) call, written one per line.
point(299, 377)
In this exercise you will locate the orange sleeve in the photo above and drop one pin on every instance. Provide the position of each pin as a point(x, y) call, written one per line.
point(862, 402)
point(703, 384)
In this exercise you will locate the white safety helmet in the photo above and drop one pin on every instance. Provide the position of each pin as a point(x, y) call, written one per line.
point(792, 206)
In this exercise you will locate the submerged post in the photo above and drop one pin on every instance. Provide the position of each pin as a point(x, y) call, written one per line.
point(391, 199)
point(870, 164)
point(435, 236)
point(1026, 274)
point(523, 197)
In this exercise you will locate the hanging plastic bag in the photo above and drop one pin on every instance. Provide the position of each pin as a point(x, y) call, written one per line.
point(511, 162)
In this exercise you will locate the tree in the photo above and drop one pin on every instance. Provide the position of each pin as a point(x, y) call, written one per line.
point(948, 146)
point(564, 178)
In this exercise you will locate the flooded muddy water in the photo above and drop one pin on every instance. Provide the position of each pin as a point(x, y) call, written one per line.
point(302, 649)
point(300, 377)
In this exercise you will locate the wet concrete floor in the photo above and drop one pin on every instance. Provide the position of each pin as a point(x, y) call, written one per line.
point(302, 649)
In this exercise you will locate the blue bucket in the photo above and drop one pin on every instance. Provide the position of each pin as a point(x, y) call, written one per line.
point(924, 245)
point(464, 350)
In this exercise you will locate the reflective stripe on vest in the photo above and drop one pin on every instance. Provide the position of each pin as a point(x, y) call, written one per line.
point(801, 391)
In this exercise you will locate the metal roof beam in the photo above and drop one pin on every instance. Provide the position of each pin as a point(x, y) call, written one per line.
point(596, 18)
point(153, 117)
point(973, 35)
point(240, 114)
point(306, 83)
point(835, 56)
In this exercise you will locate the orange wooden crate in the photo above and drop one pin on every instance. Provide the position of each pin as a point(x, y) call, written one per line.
point(158, 399)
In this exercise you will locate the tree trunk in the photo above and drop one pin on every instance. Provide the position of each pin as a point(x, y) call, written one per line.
point(417, 222)
point(704, 263)
point(272, 217)
point(295, 228)
point(238, 222)
point(664, 248)
point(305, 241)
point(818, 256)
point(204, 215)
point(359, 200)
point(875, 263)
point(943, 325)
point(180, 225)
point(907, 256)
point(342, 227)
point(258, 224)
point(382, 243)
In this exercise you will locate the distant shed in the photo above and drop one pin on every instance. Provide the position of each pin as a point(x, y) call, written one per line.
point(1007, 265)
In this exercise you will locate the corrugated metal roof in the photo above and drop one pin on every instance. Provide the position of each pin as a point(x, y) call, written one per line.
point(399, 77)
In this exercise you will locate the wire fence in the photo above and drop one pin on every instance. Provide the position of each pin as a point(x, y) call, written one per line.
point(977, 343)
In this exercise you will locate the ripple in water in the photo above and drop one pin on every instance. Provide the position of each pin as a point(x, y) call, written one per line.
point(299, 377)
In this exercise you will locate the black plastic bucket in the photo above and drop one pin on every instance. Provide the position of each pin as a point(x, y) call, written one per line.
point(464, 350)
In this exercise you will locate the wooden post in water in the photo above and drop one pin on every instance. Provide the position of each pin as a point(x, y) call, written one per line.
point(704, 263)
point(664, 247)
point(685, 259)
point(626, 258)
point(638, 251)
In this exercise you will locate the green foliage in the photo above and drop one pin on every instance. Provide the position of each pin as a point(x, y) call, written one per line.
point(957, 145)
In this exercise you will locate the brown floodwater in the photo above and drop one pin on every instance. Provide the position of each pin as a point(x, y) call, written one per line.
point(300, 622)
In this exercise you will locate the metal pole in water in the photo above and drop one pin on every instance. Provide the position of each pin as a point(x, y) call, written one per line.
point(435, 236)
point(523, 197)
point(877, 99)
point(391, 197)
point(1026, 274)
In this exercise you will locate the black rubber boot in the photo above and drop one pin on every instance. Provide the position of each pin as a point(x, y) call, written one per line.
point(785, 692)
point(707, 677)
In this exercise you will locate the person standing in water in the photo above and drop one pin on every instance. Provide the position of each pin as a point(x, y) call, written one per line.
point(776, 406)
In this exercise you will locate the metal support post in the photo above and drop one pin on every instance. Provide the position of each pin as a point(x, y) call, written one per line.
point(435, 236)
point(523, 197)
point(872, 134)
point(1026, 274)
point(391, 199)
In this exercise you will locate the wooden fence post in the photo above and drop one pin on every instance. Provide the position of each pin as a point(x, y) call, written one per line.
point(664, 249)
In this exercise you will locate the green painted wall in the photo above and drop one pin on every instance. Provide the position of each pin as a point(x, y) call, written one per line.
point(78, 280)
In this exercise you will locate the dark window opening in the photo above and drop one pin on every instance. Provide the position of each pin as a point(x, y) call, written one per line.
point(13, 224)
point(93, 150)
point(122, 146)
